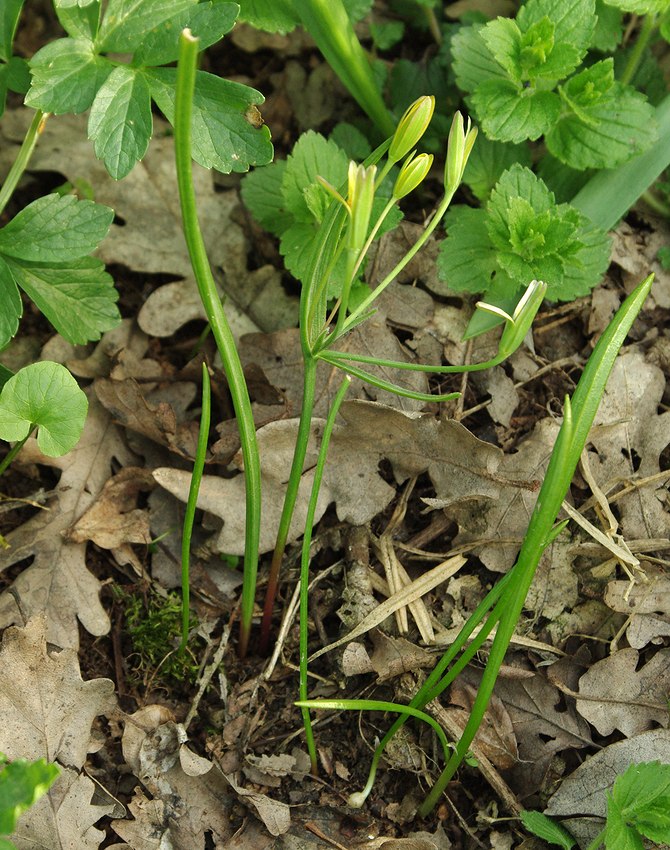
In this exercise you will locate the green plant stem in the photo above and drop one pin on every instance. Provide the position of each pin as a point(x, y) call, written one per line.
point(646, 31)
point(22, 158)
point(12, 453)
point(433, 24)
point(188, 55)
point(305, 559)
point(655, 203)
point(330, 27)
point(191, 504)
point(577, 421)
point(299, 454)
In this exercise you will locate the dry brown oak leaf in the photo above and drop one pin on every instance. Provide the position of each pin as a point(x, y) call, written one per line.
point(57, 581)
point(47, 711)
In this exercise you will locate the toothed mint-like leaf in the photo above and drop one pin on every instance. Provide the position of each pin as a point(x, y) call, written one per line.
point(640, 7)
point(312, 156)
point(127, 23)
point(78, 298)
point(224, 130)
point(47, 396)
point(120, 123)
point(510, 113)
point(574, 21)
point(79, 18)
point(55, 228)
point(11, 306)
point(467, 259)
point(639, 805)
point(66, 75)
point(605, 122)
point(488, 160)
point(208, 22)
point(262, 193)
point(609, 29)
point(473, 62)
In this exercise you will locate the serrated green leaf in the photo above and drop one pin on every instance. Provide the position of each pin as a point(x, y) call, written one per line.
point(312, 156)
point(224, 133)
point(510, 113)
point(606, 123)
point(55, 228)
point(609, 29)
point(11, 306)
point(262, 193)
point(127, 23)
point(574, 21)
point(47, 396)
point(66, 76)
point(208, 22)
point(488, 160)
point(354, 143)
point(295, 247)
point(120, 123)
point(548, 829)
point(386, 33)
point(640, 7)
point(9, 18)
point(79, 18)
point(78, 299)
point(473, 62)
point(467, 259)
point(618, 835)
point(269, 15)
point(641, 786)
point(503, 38)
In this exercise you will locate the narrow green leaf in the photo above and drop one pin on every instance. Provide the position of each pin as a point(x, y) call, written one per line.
point(79, 18)
point(47, 396)
point(66, 76)
point(127, 23)
point(78, 299)
point(55, 228)
point(546, 828)
point(208, 22)
point(224, 126)
point(510, 113)
point(11, 307)
point(120, 122)
point(9, 18)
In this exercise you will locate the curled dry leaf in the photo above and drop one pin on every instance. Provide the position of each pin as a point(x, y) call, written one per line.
point(621, 696)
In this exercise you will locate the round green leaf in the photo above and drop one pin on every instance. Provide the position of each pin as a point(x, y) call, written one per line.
point(46, 396)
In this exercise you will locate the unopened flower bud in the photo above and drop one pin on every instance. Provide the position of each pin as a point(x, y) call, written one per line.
point(411, 174)
point(459, 147)
point(411, 127)
point(359, 201)
point(518, 324)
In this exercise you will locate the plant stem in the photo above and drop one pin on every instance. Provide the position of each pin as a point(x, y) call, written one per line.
point(433, 24)
point(188, 55)
point(299, 454)
point(305, 559)
point(189, 515)
point(643, 37)
point(23, 157)
point(655, 203)
point(12, 453)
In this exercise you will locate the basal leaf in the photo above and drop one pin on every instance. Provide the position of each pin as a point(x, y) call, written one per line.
point(262, 194)
point(9, 18)
point(55, 228)
point(208, 22)
point(503, 38)
point(295, 247)
point(487, 162)
point(78, 299)
point(47, 396)
point(79, 18)
point(225, 125)
point(467, 259)
point(473, 62)
point(120, 122)
point(606, 123)
point(574, 21)
point(510, 113)
point(11, 307)
point(127, 23)
point(66, 76)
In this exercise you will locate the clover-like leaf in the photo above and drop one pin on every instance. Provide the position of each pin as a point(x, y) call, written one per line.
point(46, 396)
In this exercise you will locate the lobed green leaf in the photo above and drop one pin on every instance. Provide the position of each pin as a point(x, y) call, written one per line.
point(55, 228)
point(262, 194)
point(312, 156)
point(66, 76)
point(509, 112)
point(225, 132)
point(79, 18)
point(46, 396)
point(127, 23)
point(487, 162)
point(78, 298)
point(120, 123)
point(473, 62)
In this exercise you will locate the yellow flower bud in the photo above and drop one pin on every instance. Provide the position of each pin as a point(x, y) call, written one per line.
point(359, 201)
point(411, 127)
point(459, 147)
point(412, 173)
point(518, 324)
